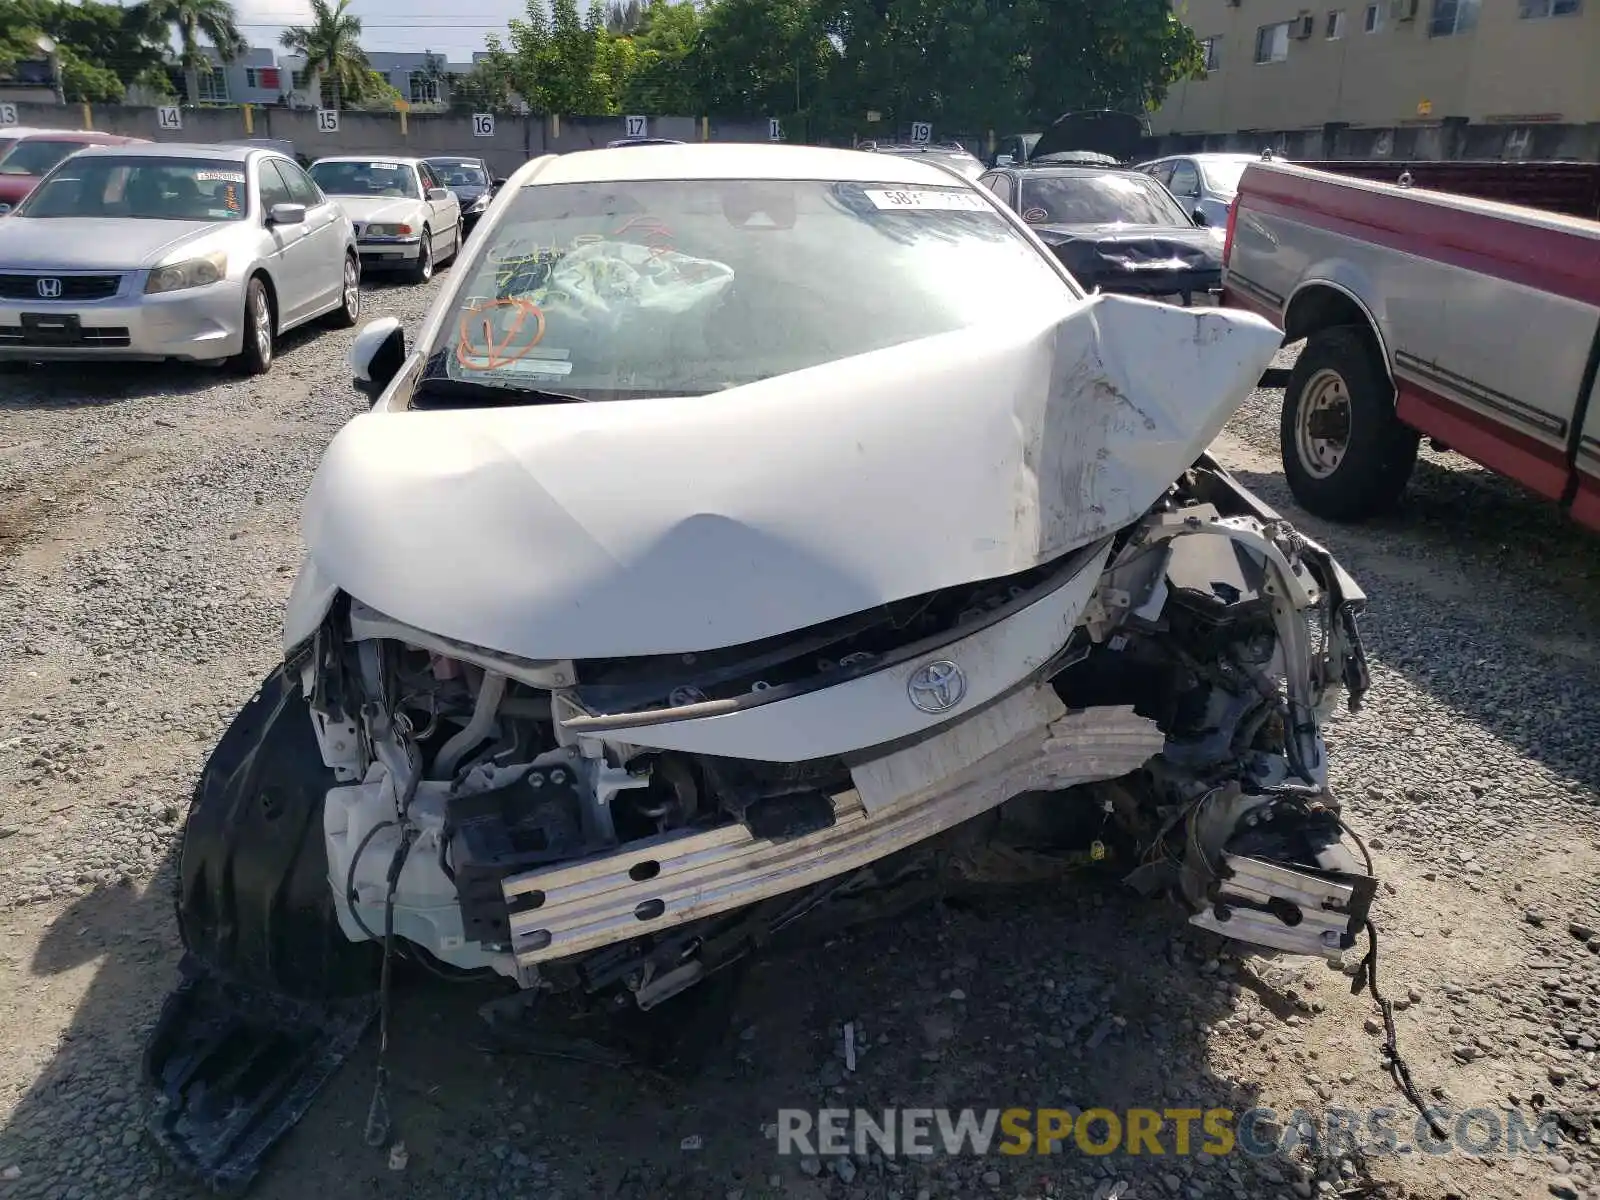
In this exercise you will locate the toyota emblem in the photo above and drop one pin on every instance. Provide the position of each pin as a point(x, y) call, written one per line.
point(937, 687)
point(49, 289)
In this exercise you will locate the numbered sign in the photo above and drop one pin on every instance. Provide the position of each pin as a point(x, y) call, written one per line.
point(774, 129)
point(8, 114)
point(921, 133)
point(169, 116)
point(327, 120)
point(482, 124)
point(637, 126)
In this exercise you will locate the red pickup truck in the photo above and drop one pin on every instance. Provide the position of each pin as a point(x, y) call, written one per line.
point(1474, 323)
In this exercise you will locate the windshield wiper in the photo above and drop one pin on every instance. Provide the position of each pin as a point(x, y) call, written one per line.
point(466, 389)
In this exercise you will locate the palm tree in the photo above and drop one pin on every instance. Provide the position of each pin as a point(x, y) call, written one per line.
point(215, 20)
point(331, 45)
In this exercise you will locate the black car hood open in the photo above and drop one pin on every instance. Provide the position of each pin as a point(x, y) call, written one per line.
point(1102, 130)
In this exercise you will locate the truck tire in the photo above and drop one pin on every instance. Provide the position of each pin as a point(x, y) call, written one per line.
point(254, 904)
point(1346, 455)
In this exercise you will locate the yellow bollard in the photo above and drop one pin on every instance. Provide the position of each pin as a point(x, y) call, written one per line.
point(249, 119)
point(403, 124)
point(88, 116)
point(555, 127)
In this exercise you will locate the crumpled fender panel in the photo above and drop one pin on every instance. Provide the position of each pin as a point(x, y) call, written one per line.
point(675, 525)
point(273, 997)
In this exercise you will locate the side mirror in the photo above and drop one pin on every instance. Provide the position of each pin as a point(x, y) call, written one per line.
point(1199, 218)
point(439, 194)
point(376, 356)
point(498, 184)
point(287, 214)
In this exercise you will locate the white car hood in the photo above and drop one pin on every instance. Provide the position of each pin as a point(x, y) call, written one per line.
point(673, 525)
point(387, 209)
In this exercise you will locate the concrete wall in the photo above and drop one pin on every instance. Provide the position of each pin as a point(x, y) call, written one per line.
point(516, 139)
point(1434, 140)
point(1508, 69)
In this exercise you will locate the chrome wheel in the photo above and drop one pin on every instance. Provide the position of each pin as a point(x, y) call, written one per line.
point(261, 324)
point(425, 261)
point(352, 288)
point(1322, 425)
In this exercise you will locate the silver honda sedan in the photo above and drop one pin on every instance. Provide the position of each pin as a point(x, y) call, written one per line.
point(157, 251)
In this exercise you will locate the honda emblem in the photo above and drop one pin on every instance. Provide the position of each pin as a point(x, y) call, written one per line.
point(49, 289)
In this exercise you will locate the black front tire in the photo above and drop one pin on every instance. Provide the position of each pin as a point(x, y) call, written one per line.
point(422, 271)
point(254, 904)
point(255, 356)
point(1362, 469)
point(349, 310)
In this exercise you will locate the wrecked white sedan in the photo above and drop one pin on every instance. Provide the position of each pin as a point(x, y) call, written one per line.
point(747, 531)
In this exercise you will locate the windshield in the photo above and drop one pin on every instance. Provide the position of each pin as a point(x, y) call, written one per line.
point(1222, 175)
point(618, 290)
point(6, 144)
point(157, 189)
point(375, 178)
point(36, 157)
point(1089, 199)
point(459, 174)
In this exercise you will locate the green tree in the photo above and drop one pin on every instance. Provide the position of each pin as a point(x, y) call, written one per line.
point(191, 20)
point(1111, 53)
point(762, 57)
point(560, 61)
point(663, 75)
point(487, 87)
point(103, 48)
point(331, 46)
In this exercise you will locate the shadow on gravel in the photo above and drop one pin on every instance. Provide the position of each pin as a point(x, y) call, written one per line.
point(1469, 551)
point(76, 1131)
point(88, 385)
point(1079, 998)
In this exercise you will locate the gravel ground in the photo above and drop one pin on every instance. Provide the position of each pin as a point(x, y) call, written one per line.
point(148, 532)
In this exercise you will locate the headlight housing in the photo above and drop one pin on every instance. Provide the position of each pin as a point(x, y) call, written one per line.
point(481, 203)
point(377, 230)
point(190, 273)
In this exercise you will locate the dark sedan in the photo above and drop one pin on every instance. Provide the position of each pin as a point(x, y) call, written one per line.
point(472, 182)
point(1115, 230)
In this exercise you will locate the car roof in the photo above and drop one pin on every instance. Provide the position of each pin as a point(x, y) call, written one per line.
point(449, 158)
point(91, 137)
point(176, 150)
point(731, 160)
point(407, 159)
point(1033, 170)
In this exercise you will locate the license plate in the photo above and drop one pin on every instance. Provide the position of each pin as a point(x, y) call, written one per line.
point(51, 329)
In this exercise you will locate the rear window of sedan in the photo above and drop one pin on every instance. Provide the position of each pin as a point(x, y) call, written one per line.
point(644, 288)
point(142, 188)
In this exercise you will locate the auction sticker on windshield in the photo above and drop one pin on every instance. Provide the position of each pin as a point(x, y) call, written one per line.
point(220, 176)
point(926, 200)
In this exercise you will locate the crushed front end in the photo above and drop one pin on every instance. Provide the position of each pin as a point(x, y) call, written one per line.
point(618, 823)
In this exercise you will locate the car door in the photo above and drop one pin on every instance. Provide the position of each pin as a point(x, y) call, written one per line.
point(1185, 185)
point(324, 236)
point(444, 215)
point(290, 253)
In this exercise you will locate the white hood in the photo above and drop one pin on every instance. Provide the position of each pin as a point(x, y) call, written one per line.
point(673, 525)
point(387, 209)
